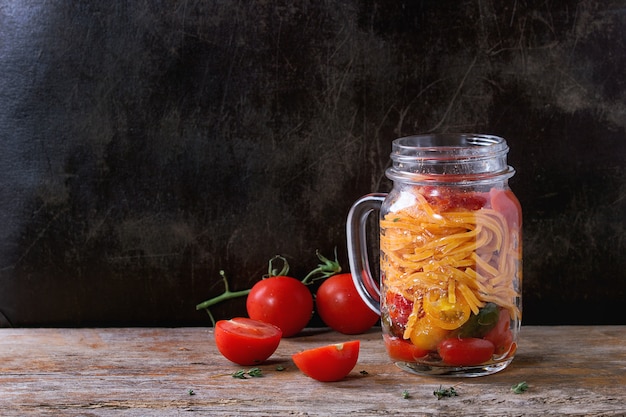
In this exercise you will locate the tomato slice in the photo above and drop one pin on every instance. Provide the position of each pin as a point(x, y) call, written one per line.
point(465, 352)
point(246, 341)
point(328, 363)
point(402, 350)
point(446, 312)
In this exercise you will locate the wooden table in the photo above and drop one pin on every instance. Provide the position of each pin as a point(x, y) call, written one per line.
point(161, 372)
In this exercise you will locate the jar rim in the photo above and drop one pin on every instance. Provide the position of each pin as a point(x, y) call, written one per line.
point(449, 157)
point(452, 144)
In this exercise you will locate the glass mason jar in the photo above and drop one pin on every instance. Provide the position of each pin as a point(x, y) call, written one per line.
point(449, 294)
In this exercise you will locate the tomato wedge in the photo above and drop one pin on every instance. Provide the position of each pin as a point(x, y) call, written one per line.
point(328, 363)
point(246, 341)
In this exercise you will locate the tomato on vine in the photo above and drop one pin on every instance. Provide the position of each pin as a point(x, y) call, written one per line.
point(278, 298)
point(282, 301)
point(340, 306)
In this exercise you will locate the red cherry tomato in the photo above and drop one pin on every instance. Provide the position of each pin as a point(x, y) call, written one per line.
point(501, 335)
point(246, 341)
point(282, 301)
point(465, 352)
point(328, 363)
point(402, 350)
point(341, 307)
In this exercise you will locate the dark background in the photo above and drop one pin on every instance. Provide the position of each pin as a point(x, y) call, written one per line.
point(147, 145)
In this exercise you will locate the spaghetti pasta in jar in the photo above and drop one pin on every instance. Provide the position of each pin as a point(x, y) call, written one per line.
point(449, 293)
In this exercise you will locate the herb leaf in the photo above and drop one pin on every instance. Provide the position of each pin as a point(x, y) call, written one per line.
point(241, 374)
point(442, 392)
point(520, 387)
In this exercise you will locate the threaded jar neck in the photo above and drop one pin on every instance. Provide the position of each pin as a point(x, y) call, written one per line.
point(449, 158)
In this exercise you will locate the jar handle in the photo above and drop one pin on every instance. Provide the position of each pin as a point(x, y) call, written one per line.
point(356, 233)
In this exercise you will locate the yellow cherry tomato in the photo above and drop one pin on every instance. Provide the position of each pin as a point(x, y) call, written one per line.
point(426, 335)
point(445, 311)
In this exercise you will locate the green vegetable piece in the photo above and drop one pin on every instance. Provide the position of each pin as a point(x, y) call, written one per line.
point(519, 387)
point(479, 324)
point(255, 372)
point(241, 374)
point(405, 394)
point(445, 392)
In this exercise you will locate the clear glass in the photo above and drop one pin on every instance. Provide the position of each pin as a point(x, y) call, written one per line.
point(449, 292)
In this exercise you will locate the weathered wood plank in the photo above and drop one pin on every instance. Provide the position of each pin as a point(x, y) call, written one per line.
point(149, 371)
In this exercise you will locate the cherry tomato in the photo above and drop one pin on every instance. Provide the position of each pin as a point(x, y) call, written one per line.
point(246, 341)
point(328, 363)
point(402, 350)
point(445, 313)
point(282, 301)
point(465, 352)
point(426, 335)
point(341, 307)
point(501, 335)
point(505, 202)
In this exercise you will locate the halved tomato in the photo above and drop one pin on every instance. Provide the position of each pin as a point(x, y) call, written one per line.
point(328, 363)
point(445, 311)
point(246, 341)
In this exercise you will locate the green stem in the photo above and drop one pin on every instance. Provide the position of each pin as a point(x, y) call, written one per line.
point(324, 270)
point(272, 272)
point(226, 295)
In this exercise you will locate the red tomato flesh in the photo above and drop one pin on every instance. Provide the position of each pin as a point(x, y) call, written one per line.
point(328, 363)
point(465, 352)
point(282, 301)
point(399, 349)
point(246, 341)
point(501, 335)
point(341, 307)
point(399, 309)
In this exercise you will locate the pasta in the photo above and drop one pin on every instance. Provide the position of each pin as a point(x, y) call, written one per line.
point(467, 255)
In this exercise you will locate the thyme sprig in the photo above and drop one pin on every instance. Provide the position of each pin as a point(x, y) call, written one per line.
point(254, 373)
point(445, 392)
point(520, 387)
